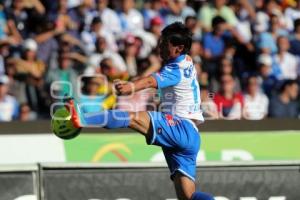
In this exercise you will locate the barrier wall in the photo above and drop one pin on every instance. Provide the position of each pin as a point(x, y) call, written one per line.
point(18, 182)
point(233, 181)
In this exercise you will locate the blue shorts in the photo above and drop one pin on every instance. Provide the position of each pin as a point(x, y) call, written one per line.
point(180, 142)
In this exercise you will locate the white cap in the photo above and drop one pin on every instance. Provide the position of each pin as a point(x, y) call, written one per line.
point(30, 44)
point(4, 79)
point(265, 59)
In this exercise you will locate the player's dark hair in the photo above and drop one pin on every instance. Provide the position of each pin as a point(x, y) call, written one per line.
point(178, 34)
point(217, 20)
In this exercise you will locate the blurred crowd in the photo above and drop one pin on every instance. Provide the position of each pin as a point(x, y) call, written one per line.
point(246, 53)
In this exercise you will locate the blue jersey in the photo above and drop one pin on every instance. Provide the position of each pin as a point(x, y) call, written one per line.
point(180, 92)
point(172, 128)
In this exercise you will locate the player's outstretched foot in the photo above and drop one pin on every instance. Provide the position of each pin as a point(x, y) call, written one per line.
point(70, 105)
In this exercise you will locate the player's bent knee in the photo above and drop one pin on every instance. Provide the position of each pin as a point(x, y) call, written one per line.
point(202, 196)
point(140, 121)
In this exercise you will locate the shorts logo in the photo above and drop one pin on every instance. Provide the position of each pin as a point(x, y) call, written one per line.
point(170, 120)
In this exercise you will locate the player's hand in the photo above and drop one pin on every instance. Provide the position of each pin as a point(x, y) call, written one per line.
point(123, 87)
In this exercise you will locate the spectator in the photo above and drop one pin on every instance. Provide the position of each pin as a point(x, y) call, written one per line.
point(2, 22)
point(225, 68)
point(26, 114)
point(261, 23)
point(20, 13)
point(109, 17)
point(196, 51)
point(192, 24)
point(46, 39)
point(8, 29)
point(292, 14)
point(256, 102)
point(103, 52)
point(266, 41)
point(208, 106)
point(89, 37)
point(29, 71)
point(8, 104)
point(130, 18)
point(131, 51)
point(269, 80)
point(156, 25)
point(211, 10)
point(63, 21)
point(245, 15)
point(4, 53)
point(66, 76)
point(284, 105)
point(91, 99)
point(151, 9)
point(82, 14)
point(286, 61)
point(176, 10)
point(214, 42)
point(273, 7)
point(108, 68)
point(28, 64)
point(229, 103)
point(295, 41)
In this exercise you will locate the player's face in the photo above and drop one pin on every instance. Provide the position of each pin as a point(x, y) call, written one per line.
point(167, 50)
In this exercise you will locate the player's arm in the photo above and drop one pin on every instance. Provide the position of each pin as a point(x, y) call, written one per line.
point(127, 88)
point(168, 76)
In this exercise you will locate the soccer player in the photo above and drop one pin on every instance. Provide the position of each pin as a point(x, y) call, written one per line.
point(174, 127)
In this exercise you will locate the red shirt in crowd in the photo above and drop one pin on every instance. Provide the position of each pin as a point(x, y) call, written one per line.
point(225, 105)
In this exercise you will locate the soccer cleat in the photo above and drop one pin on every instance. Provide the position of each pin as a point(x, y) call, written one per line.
point(72, 107)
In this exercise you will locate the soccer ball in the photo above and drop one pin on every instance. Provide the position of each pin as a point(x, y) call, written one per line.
point(62, 125)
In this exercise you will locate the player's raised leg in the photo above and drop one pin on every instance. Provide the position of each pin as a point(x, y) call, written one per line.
point(110, 119)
